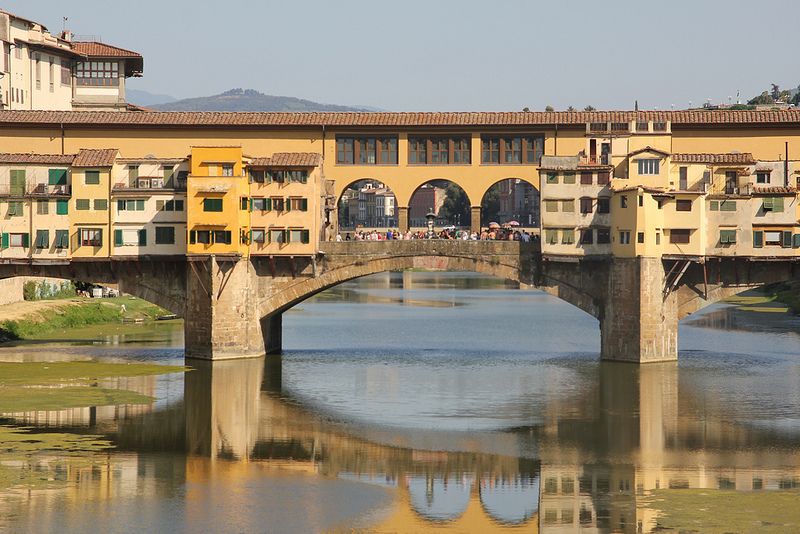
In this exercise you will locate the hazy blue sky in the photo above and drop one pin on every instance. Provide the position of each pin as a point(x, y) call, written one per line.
point(448, 54)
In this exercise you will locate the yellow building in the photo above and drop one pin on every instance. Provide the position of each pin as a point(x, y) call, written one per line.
point(90, 219)
point(218, 203)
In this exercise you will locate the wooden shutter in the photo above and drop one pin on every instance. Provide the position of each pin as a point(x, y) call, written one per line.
point(4, 240)
point(304, 204)
point(758, 239)
point(777, 204)
point(57, 176)
point(17, 182)
point(26, 240)
point(142, 237)
point(796, 241)
point(786, 242)
point(117, 238)
point(304, 236)
point(62, 207)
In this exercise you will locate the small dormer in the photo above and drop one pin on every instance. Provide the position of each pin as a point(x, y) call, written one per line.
point(647, 164)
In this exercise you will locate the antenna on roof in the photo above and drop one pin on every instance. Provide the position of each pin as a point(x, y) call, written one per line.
point(636, 105)
point(64, 23)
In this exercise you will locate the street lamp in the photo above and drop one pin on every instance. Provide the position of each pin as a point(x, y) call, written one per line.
point(430, 218)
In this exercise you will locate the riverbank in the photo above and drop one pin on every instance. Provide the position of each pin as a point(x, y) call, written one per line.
point(55, 318)
point(780, 297)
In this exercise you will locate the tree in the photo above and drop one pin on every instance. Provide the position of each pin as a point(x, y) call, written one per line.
point(526, 109)
point(589, 108)
point(763, 98)
point(570, 108)
point(490, 205)
point(549, 108)
point(776, 92)
point(455, 207)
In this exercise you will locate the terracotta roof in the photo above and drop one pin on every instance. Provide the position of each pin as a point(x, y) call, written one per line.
point(288, 159)
point(645, 188)
point(40, 159)
point(744, 158)
point(95, 158)
point(773, 190)
point(395, 120)
point(648, 149)
point(95, 49)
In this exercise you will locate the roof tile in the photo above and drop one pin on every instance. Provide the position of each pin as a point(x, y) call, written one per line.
point(289, 159)
point(95, 49)
point(741, 158)
point(34, 159)
point(95, 158)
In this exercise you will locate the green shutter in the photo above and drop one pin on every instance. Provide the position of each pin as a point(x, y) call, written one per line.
point(140, 205)
point(267, 204)
point(4, 240)
point(91, 177)
point(117, 238)
point(244, 203)
point(304, 204)
point(304, 236)
point(192, 237)
point(62, 238)
point(62, 206)
point(42, 239)
point(287, 204)
point(17, 182)
point(26, 240)
point(777, 204)
point(727, 205)
point(714, 205)
point(142, 237)
point(796, 241)
point(179, 205)
point(758, 239)
point(120, 205)
point(786, 242)
point(57, 176)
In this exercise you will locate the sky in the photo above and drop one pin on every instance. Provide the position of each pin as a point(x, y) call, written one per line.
point(449, 55)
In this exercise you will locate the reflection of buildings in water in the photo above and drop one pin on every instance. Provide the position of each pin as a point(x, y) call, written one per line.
point(732, 317)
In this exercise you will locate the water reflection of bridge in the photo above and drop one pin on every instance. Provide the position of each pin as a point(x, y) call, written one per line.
point(598, 455)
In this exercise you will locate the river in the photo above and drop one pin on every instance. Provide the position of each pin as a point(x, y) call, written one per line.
point(415, 401)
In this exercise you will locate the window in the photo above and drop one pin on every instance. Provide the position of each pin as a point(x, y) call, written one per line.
point(133, 174)
point(727, 237)
point(91, 237)
point(299, 177)
point(91, 177)
point(298, 204)
point(165, 235)
point(462, 150)
point(277, 203)
point(417, 150)
point(648, 166)
point(212, 204)
point(586, 178)
point(18, 240)
point(62, 239)
point(603, 177)
point(97, 73)
point(366, 150)
point(551, 236)
point(243, 203)
point(257, 235)
point(42, 207)
point(727, 205)
point(603, 236)
point(762, 177)
point(713, 205)
point(258, 204)
point(569, 177)
point(568, 206)
point(62, 206)
point(603, 205)
point(17, 182)
point(640, 237)
point(773, 204)
point(38, 59)
point(298, 236)
point(82, 204)
point(658, 238)
point(586, 205)
point(683, 178)
point(227, 169)
point(567, 236)
point(623, 201)
point(552, 178)
point(625, 237)
point(131, 205)
point(15, 208)
point(42, 239)
point(277, 235)
point(57, 176)
point(641, 201)
point(587, 236)
point(66, 72)
point(683, 205)
point(679, 237)
point(100, 204)
point(659, 126)
point(203, 237)
point(731, 181)
point(514, 150)
point(222, 237)
point(772, 238)
point(257, 176)
point(439, 150)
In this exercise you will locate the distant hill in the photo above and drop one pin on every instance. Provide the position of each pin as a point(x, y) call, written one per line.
point(144, 98)
point(249, 100)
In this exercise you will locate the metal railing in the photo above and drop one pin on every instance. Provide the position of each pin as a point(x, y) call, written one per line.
point(33, 189)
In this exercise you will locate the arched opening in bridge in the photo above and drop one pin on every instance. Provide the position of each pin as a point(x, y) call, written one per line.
point(446, 199)
point(511, 201)
point(367, 204)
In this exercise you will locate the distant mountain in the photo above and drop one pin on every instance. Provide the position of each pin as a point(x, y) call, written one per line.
point(250, 100)
point(143, 98)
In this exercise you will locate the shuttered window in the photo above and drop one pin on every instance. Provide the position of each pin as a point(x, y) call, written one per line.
point(42, 239)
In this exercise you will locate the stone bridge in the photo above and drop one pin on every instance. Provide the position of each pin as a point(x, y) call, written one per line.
point(233, 306)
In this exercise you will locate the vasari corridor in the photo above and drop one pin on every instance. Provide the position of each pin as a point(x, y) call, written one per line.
point(248, 313)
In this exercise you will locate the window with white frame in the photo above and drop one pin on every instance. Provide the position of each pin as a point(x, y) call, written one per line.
point(648, 166)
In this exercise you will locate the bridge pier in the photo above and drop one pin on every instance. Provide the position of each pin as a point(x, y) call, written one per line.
point(402, 218)
point(637, 323)
point(222, 309)
point(272, 331)
point(475, 219)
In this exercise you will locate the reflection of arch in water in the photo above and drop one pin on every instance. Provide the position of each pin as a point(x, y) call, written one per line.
point(367, 203)
point(439, 499)
point(512, 501)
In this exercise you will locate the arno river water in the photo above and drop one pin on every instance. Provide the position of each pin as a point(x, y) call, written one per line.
point(411, 402)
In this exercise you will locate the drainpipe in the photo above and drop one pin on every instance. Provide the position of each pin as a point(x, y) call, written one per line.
point(786, 166)
point(62, 137)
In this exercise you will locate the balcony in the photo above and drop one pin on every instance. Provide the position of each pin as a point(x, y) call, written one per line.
point(151, 183)
point(602, 159)
point(33, 189)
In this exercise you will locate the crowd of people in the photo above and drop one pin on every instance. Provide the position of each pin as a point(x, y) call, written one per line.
point(487, 234)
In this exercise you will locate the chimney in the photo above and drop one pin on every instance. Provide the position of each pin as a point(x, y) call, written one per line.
point(66, 35)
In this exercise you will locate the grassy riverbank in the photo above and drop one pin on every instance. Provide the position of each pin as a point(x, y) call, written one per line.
point(770, 298)
point(61, 316)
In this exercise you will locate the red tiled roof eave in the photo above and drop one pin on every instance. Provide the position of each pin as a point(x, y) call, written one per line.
point(743, 158)
point(36, 159)
point(288, 159)
point(95, 157)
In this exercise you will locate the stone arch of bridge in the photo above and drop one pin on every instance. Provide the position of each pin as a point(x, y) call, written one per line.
point(162, 283)
point(296, 291)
